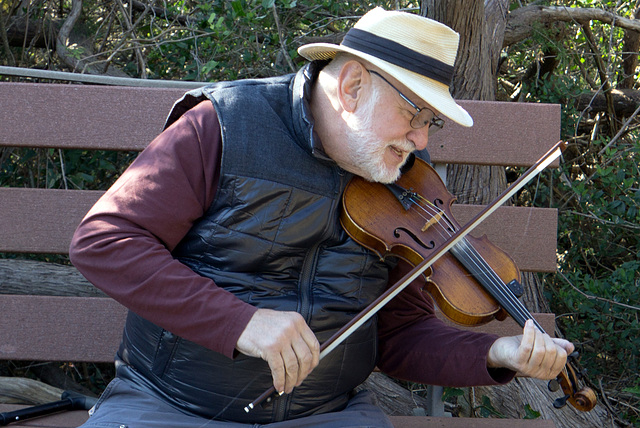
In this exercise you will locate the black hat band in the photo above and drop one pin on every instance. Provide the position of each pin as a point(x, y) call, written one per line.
point(398, 54)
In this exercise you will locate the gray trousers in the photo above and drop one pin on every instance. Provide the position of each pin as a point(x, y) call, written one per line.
point(122, 405)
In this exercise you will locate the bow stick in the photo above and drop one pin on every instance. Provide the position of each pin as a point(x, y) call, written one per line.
point(442, 249)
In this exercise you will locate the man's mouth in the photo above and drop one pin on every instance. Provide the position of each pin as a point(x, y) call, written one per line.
point(399, 152)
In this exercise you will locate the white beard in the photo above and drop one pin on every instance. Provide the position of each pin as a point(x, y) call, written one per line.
point(365, 151)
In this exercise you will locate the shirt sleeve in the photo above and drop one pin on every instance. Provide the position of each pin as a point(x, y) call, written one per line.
point(123, 245)
point(415, 345)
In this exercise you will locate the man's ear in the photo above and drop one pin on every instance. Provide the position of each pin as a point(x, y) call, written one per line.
point(351, 82)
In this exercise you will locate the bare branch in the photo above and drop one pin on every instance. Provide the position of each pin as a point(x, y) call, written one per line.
point(604, 78)
point(5, 40)
point(159, 12)
point(131, 29)
point(62, 40)
point(281, 37)
point(600, 299)
point(521, 21)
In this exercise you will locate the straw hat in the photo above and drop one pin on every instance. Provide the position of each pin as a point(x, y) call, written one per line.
point(417, 51)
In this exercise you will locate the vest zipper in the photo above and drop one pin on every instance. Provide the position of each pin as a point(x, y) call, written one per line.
point(304, 287)
point(306, 282)
point(304, 309)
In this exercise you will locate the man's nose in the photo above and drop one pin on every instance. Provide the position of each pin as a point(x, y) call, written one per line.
point(419, 137)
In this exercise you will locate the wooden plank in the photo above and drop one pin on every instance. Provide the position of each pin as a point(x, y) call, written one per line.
point(121, 118)
point(43, 221)
point(510, 134)
point(82, 116)
point(77, 417)
point(508, 327)
point(528, 235)
point(51, 328)
point(432, 422)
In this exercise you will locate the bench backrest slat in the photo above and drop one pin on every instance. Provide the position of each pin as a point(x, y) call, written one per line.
point(117, 118)
point(82, 117)
point(51, 328)
point(506, 134)
point(43, 221)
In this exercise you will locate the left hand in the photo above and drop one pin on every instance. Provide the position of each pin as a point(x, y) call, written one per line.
point(534, 354)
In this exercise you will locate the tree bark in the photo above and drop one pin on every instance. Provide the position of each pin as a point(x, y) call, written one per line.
point(46, 279)
point(625, 101)
point(630, 50)
point(392, 398)
point(475, 68)
point(20, 390)
point(481, 26)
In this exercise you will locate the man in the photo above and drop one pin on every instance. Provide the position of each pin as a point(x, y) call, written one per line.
point(223, 240)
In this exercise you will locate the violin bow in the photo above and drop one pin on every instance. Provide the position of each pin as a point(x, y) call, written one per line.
point(356, 322)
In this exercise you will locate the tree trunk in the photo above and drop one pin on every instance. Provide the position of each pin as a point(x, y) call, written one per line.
point(630, 55)
point(481, 26)
point(473, 80)
point(45, 279)
point(393, 399)
point(20, 390)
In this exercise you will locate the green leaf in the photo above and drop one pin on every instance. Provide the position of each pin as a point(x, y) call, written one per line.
point(530, 413)
point(237, 7)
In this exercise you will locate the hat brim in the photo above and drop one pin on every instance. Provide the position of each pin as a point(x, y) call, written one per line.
point(434, 93)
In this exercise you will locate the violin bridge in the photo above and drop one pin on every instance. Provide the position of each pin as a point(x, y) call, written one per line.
point(433, 220)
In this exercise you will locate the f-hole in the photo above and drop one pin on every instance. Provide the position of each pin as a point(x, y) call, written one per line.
point(397, 232)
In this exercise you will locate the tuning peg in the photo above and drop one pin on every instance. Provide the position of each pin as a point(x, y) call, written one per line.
point(573, 356)
point(553, 385)
point(559, 403)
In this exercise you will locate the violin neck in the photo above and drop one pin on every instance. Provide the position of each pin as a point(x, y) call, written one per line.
point(504, 294)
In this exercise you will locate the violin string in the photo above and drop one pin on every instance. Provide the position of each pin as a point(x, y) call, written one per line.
point(516, 309)
point(498, 288)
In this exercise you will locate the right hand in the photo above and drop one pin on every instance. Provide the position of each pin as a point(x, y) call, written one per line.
point(285, 342)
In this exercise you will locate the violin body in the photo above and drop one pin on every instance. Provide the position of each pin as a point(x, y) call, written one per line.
point(472, 283)
point(387, 228)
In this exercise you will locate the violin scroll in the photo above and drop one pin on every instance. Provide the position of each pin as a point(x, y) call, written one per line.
point(583, 399)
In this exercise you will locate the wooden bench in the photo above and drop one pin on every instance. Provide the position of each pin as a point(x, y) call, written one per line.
point(42, 221)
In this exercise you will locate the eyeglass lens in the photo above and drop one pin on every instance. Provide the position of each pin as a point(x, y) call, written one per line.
point(426, 117)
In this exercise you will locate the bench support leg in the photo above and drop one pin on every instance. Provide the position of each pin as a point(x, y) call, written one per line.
point(435, 405)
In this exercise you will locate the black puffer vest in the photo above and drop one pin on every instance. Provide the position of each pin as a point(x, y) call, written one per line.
point(271, 237)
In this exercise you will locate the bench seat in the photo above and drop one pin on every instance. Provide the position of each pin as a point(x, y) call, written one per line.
point(77, 417)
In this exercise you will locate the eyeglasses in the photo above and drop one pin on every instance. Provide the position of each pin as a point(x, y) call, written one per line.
point(423, 116)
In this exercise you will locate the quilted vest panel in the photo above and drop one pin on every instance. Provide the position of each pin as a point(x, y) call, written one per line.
point(271, 237)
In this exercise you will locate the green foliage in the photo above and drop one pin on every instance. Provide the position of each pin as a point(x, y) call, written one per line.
point(599, 254)
point(597, 192)
point(530, 413)
point(487, 410)
point(61, 169)
point(450, 393)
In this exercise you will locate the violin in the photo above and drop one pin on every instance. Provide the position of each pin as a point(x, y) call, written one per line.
point(473, 283)
point(411, 219)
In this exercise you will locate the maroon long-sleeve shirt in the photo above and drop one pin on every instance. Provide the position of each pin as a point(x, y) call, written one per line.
point(123, 246)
